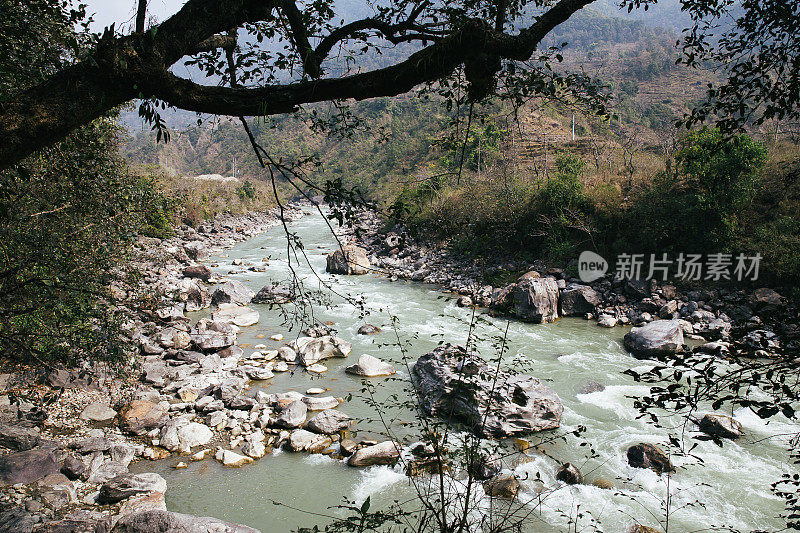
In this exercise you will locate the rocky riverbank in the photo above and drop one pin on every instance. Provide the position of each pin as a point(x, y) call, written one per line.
point(723, 320)
point(69, 435)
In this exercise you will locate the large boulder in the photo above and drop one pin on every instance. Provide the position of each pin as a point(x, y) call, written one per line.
point(209, 335)
point(99, 412)
point(232, 459)
point(383, 453)
point(197, 272)
point(451, 382)
point(293, 415)
point(721, 426)
point(577, 300)
point(19, 438)
point(158, 521)
point(305, 441)
point(369, 366)
point(349, 259)
point(28, 466)
point(124, 486)
point(660, 337)
point(273, 294)
point(536, 299)
point(329, 421)
point(645, 455)
point(503, 298)
point(236, 315)
point(569, 474)
point(232, 292)
point(766, 300)
point(312, 350)
point(141, 416)
point(194, 434)
point(503, 486)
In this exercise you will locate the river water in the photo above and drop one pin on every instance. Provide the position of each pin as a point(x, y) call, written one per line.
point(732, 485)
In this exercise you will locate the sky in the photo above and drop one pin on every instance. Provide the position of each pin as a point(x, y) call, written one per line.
point(122, 12)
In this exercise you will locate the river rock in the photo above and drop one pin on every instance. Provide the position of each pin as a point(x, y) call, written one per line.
point(639, 528)
point(72, 467)
point(721, 426)
point(236, 315)
point(320, 403)
point(502, 486)
point(193, 434)
point(209, 336)
point(293, 415)
point(90, 445)
point(503, 298)
point(273, 294)
point(254, 449)
point(349, 259)
point(312, 350)
point(383, 453)
point(606, 321)
point(644, 455)
point(569, 474)
point(766, 301)
point(27, 466)
point(536, 299)
point(16, 519)
point(577, 300)
point(329, 421)
point(369, 329)
point(452, 382)
point(98, 412)
point(369, 366)
point(124, 486)
point(159, 521)
point(19, 438)
point(141, 416)
point(197, 272)
point(231, 459)
point(660, 337)
point(301, 440)
point(232, 292)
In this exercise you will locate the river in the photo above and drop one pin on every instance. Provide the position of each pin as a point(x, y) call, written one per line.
point(733, 484)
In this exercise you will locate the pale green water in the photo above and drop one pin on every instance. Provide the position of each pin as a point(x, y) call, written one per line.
point(569, 353)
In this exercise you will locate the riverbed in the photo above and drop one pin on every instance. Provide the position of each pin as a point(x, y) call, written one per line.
point(733, 484)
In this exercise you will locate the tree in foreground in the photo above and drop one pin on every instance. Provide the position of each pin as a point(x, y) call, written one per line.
point(268, 57)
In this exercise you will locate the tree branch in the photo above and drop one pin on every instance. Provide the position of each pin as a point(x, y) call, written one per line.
point(141, 15)
point(299, 36)
point(134, 66)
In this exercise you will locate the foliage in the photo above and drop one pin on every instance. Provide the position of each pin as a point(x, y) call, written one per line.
point(66, 218)
point(755, 44)
point(68, 213)
point(699, 208)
